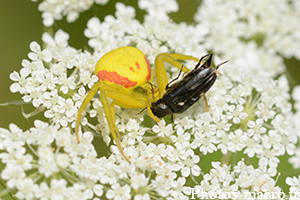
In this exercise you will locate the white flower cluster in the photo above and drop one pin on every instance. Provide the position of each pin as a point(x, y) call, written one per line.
point(294, 190)
point(45, 81)
point(243, 28)
point(241, 182)
point(294, 182)
point(65, 169)
point(55, 10)
point(249, 112)
point(156, 34)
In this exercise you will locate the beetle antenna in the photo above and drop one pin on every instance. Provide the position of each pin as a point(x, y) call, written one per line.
point(141, 111)
point(217, 67)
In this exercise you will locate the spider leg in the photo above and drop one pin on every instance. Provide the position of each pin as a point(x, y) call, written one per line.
point(160, 70)
point(111, 123)
point(85, 102)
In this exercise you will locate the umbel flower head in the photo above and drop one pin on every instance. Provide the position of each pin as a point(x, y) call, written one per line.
point(250, 113)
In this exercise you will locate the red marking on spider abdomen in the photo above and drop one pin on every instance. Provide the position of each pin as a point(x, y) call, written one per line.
point(115, 78)
point(137, 65)
point(148, 68)
point(131, 69)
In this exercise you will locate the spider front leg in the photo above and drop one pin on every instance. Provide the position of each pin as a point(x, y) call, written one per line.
point(85, 102)
point(121, 99)
point(160, 69)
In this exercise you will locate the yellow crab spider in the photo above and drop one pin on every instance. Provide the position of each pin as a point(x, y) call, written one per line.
point(124, 75)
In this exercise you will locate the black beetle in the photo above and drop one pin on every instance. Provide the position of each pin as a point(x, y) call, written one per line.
point(182, 94)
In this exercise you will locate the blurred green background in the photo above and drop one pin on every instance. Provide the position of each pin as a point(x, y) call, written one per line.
point(21, 23)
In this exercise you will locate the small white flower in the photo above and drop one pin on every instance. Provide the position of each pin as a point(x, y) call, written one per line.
point(294, 183)
point(35, 96)
point(182, 140)
point(252, 147)
point(71, 110)
point(282, 124)
point(162, 129)
point(62, 160)
point(110, 174)
point(59, 187)
point(37, 54)
point(151, 6)
point(126, 13)
point(256, 128)
point(236, 113)
point(236, 140)
point(55, 10)
point(79, 191)
point(12, 173)
point(185, 122)
point(223, 142)
point(161, 185)
point(222, 125)
point(235, 96)
point(207, 144)
point(67, 83)
point(60, 38)
point(45, 191)
point(268, 158)
point(35, 68)
point(26, 189)
point(191, 166)
point(265, 112)
point(48, 167)
point(295, 160)
point(23, 84)
point(52, 98)
point(271, 140)
point(139, 181)
point(119, 192)
point(142, 197)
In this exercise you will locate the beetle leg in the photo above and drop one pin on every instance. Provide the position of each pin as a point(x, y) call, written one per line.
point(199, 63)
point(167, 86)
point(172, 119)
point(206, 103)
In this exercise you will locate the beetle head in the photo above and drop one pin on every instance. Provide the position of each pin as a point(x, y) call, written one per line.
point(160, 108)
